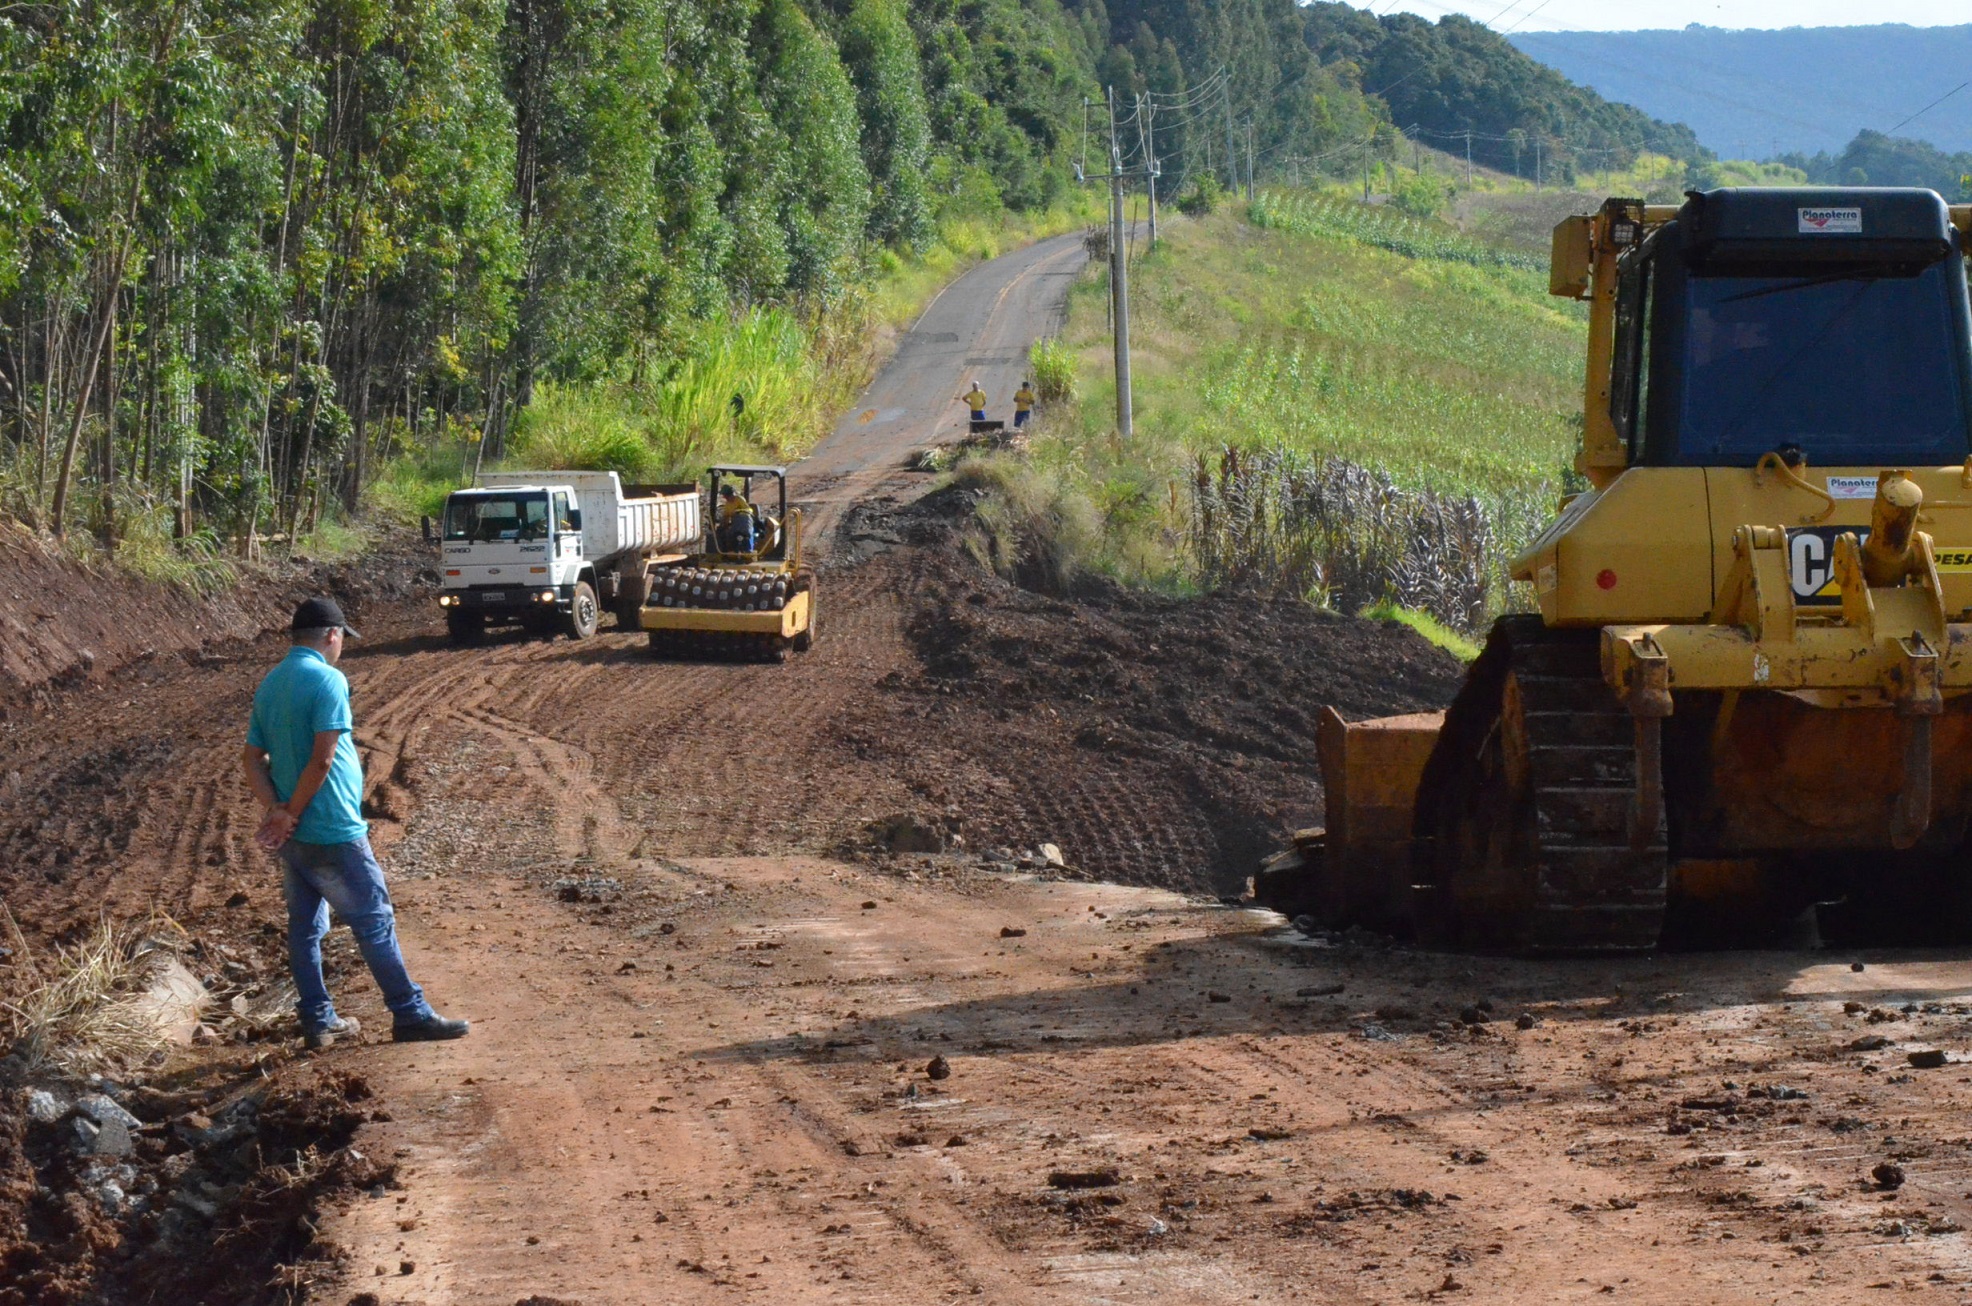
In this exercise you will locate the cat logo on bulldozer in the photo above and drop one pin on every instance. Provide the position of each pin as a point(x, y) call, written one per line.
point(1811, 561)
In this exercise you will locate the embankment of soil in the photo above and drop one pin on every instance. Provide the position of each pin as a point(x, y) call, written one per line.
point(63, 622)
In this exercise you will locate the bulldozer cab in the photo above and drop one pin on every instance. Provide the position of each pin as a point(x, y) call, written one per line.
point(1829, 326)
point(769, 537)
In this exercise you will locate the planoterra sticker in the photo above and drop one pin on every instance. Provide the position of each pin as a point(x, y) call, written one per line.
point(1831, 222)
point(1852, 487)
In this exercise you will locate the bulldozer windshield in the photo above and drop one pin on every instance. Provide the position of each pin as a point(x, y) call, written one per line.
point(1863, 365)
point(1857, 368)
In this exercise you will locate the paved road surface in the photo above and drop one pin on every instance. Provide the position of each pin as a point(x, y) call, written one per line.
point(978, 328)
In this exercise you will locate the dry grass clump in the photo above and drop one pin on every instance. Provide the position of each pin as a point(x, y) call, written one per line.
point(1030, 528)
point(82, 1009)
point(1348, 537)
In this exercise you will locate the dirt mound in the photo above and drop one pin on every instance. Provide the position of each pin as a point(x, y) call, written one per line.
point(206, 1195)
point(63, 622)
point(1156, 740)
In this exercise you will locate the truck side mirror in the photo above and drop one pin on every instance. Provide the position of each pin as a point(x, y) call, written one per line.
point(575, 519)
point(427, 526)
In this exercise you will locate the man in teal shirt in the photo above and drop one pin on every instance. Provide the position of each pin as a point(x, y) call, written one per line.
point(301, 762)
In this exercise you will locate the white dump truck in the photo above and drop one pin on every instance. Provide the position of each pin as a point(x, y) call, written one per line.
point(549, 550)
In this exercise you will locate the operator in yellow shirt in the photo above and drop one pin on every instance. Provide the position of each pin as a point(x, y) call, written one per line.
point(975, 399)
point(736, 521)
point(1023, 404)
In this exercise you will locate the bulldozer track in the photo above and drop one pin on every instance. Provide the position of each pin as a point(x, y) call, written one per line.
point(1527, 806)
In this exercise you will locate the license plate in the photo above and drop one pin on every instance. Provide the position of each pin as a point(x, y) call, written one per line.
point(492, 596)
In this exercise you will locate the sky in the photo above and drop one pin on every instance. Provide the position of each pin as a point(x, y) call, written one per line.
point(1625, 15)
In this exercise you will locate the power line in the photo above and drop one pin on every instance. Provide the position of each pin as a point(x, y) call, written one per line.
point(1927, 108)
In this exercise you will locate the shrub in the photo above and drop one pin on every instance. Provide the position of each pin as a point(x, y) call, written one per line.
point(1054, 369)
point(1201, 197)
point(1028, 527)
point(1419, 196)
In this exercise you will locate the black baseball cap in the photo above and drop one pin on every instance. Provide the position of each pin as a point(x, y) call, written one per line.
point(320, 614)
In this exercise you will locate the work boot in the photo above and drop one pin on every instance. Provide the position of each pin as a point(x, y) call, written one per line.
point(431, 1029)
point(341, 1027)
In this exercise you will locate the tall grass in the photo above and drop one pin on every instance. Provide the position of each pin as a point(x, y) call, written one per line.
point(1053, 369)
point(1347, 537)
point(1332, 401)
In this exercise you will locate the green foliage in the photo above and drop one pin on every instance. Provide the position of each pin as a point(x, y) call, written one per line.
point(1340, 403)
point(1459, 646)
point(1054, 370)
point(1201, 198)
point(583, 428)
point(1419, 196)
point(1458, 75)
point(882, 57)
point(1874, 159)
point(1379, 228)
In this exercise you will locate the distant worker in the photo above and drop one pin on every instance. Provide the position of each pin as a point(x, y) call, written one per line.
point(736, 521)
point(975, 399)
point(302, 767)
point(1023, 403)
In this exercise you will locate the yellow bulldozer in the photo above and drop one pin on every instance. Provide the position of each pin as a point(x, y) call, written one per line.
point(1745, 692)
point(745, 595)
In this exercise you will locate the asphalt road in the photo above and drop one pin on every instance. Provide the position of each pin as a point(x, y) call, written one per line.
point(978, 328)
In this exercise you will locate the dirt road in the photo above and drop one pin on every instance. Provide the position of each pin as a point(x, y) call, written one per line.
point(707, 999)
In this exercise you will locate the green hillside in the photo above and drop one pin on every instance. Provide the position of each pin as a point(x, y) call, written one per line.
point(1458, 76)
point(1332, 400)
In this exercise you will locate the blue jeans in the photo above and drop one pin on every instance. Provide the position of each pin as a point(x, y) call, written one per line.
point(344, 876)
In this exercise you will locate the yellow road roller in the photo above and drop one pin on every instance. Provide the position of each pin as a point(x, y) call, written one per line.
point(745, 595)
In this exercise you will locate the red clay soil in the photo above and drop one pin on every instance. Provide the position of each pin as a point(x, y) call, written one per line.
point(1158, 741)
point(1154, 741)
point(64, 621)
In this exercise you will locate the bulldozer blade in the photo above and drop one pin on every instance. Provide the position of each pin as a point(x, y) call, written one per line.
point(1370, 774)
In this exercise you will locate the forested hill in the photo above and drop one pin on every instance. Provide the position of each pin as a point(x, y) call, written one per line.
point(251, 251)
point(1801, 90)
point(248, 251)
point(1457, 75)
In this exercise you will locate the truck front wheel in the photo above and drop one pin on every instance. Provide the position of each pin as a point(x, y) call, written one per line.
point(582, 611)
point(463, 627)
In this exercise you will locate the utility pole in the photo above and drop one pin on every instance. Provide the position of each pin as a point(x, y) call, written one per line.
point(1119, 276)
point(1147, 142)
point(1232, 159)
point(1249, 160)
point(1537, 164)
point(1366, 144)
point(1468, 158)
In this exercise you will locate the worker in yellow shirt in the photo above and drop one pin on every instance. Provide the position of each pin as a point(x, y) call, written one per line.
point(1023, 404)
point(736, 521)
point(975, 399)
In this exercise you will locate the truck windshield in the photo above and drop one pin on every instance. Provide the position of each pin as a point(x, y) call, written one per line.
point(470, 517)
point(1854, 367)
